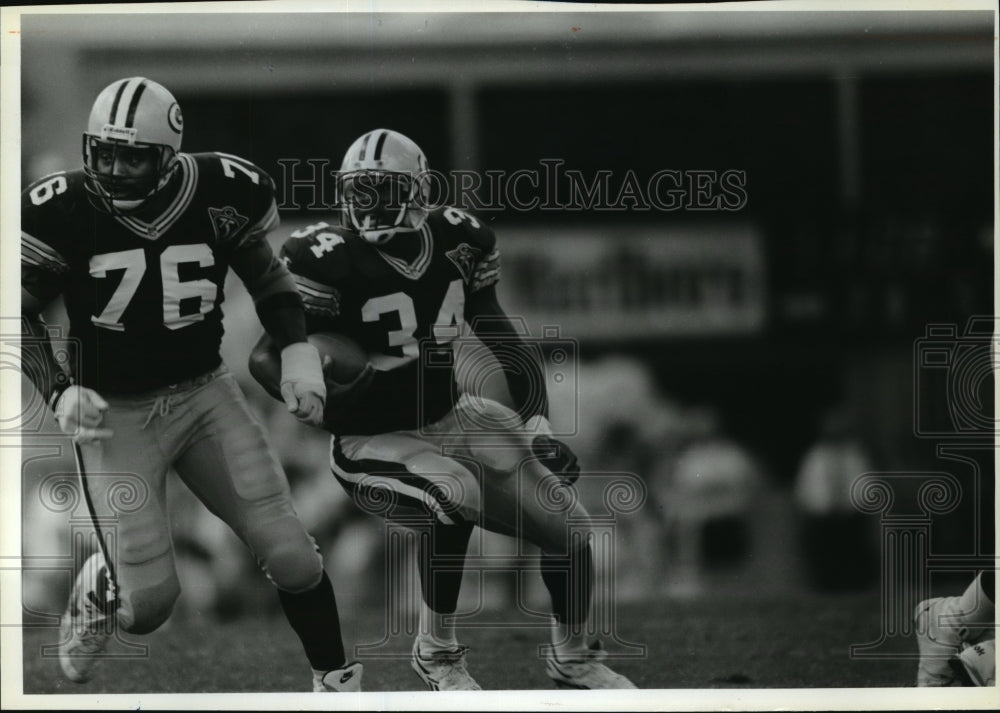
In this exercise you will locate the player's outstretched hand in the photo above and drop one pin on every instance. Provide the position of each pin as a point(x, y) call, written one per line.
point(79, 411)
point(342, 395)
point(302, 387)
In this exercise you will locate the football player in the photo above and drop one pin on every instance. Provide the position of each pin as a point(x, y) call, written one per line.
point(138, 242)
point(956, 636)
point(402, 280)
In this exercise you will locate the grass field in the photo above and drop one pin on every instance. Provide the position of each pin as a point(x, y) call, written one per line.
point(725, 641)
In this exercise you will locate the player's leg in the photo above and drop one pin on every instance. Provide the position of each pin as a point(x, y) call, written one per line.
point(525, 500)
point(135, 588)
point(440, 565)
point(530, 503)
point(415, 480)
point(228, 464)
point(946, 625)
point(534, 504)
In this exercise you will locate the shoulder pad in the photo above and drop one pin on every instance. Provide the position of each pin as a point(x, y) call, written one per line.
point(317, 251)
point(55, 188)
point(463, 226)
point(48, 206)
point(234, 167)
point(315, 229)
point(231, 183)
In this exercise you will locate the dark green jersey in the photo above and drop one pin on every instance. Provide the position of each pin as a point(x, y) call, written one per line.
point(144, 298)
point(406, 314)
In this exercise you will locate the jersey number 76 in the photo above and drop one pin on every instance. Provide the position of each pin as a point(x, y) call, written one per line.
point(133, 263)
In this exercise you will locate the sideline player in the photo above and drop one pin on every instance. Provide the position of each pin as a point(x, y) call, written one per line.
point(403, 280)
point(956, 636)
point(139, 242)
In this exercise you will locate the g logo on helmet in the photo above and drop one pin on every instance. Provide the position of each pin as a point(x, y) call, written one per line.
point(174, 118)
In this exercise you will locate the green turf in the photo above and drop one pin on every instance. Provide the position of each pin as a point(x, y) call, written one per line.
point(711, 642)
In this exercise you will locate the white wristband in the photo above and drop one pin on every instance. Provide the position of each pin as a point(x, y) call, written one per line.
point(300, 363)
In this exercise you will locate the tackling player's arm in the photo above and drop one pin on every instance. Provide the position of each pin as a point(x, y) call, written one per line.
point(78, 410)
point(321, 303)
point(279, 308)
point(522, 369)
point(278, 305)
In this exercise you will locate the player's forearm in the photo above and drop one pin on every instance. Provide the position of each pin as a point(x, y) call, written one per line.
point(283, 319)
point(519, 360)
point(276, 299)
point(265, 365)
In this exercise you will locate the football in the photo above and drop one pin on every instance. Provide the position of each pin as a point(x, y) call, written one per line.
point(342, 357)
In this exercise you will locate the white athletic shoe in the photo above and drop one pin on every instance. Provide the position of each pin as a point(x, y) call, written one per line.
point(340, 680)
point(980, 663)
point(443, 670)
point(939, 638)
point(584, 670)
point(88, 621)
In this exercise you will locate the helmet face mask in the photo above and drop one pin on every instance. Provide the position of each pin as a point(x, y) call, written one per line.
point(124, 177)
point(383, 186)
point(131, 143)
point(378, 204)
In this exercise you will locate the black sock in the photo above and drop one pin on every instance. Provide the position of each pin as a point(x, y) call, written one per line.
point(570, 581)
point(440, 579)
point(313, 615)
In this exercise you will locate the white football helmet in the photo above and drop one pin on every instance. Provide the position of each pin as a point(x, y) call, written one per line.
point(383, 186)
point(137, 120)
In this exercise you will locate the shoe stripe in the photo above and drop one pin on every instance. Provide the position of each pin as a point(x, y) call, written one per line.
point(451, 663)
point(425, 675)
point(566, 678)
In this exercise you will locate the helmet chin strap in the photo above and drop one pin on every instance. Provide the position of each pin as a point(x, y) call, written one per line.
point(406, 220)
point(133, 205)
point(126, 206)
point(379, 237)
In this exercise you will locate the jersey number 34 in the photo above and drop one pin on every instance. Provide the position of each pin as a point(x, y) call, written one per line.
point(447, 326)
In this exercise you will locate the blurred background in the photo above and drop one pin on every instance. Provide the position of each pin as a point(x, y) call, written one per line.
point(746, 365)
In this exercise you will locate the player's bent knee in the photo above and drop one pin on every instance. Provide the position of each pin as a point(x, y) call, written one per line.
point(148, 549)
point(295, 569)
point(144, 610)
